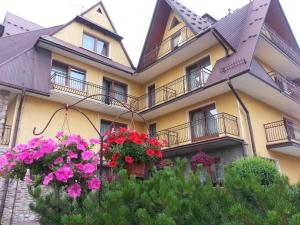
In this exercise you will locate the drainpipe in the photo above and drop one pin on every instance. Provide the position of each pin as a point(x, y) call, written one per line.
point(247, 115)
point(13, 143)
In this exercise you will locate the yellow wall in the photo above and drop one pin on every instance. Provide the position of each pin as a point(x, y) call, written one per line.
point(98, 18)
point(95, 75)
point(36, 112)
point(73, 34)
point(261, 114)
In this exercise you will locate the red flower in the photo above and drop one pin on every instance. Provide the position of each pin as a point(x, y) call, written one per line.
point(129, 159)
point(158, 154)
point(112, 164)
point(153, 142)
point(115, 156)
point(110, 139)
point(123, 129)
point(143, 136)
point(120, 140)
point(150, 152)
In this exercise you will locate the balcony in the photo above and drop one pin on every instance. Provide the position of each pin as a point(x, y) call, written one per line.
point(271, 35)
point(211, 132)
point(5, 136)
point(174, 89)
point(76, 87)
point(284, 137)
point(288, 87)
point(166, 46)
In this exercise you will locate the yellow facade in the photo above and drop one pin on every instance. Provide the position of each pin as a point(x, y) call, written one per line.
point(36, 111)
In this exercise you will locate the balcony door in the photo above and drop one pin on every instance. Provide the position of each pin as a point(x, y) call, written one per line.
point(203, 123)
point(114, 89)
point(198, 73)
point(151, 96)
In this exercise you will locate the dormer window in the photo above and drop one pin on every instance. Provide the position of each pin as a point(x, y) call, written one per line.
point(174, 22)
point(95, 45)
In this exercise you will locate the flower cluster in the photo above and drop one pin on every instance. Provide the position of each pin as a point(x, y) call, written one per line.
point(125, 146)
point(202, 158)
point(69, 163)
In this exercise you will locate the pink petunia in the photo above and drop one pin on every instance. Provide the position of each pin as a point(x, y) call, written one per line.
point(59, 134)
point(94, 141)
point(64, 173)
point(72, 155)
point(74, 190)
point(94, 183)
point(48, 178)
point(87, 155)
point(3, 161)
point(88, 168)
point(58, 160)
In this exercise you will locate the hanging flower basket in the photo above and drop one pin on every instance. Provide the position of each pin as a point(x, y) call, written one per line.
point(132, 150)
point(202, 158)
point(137, 169)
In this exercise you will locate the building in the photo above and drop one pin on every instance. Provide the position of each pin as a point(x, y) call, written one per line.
point(229, 87)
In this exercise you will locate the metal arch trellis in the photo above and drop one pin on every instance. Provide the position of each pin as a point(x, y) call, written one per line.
point(129, 107)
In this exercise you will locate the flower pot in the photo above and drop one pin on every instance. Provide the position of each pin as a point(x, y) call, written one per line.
point(137, 169)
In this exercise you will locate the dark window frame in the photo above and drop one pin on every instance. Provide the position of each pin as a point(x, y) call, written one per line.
point(95, 44)
point(116, 124)
point(113, 90)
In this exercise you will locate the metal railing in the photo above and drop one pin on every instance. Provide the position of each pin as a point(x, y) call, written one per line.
point(166, 46)
point(82, 88)
point(211, 127)
point(282, 130)
point(288, 87)
point(5, 136)
point(269, 33)
point(178, 87)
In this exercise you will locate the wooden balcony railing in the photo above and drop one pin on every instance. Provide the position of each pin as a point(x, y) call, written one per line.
point(178, 87)
point(78, 87)
point(166, 46)
point(5, 136)
point(281, 131)
point(212, 127)
point(270, 34)
point(288, 87)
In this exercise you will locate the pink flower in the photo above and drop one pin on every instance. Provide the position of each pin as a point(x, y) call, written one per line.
point(72, 155)
point(3, 161)
point(38, 155)
point(28, 159)
point(48, 178)
point(94, 183)
point(74, 190)
point(88, 168)
point(64, 173)
point(58, 160)
point(87, 155)
point(59, 134)
point(82, 145)
point(94, 141)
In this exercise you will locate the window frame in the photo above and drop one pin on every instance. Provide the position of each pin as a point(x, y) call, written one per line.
point(69, 68)
point(95, 44)
point(110, 122)
point(113, 90)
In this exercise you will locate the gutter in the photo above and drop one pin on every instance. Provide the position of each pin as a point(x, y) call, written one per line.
point(247, 115)
point(13, 143)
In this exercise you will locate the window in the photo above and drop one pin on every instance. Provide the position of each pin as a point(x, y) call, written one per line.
point(95, 45)
point(152, 129)
point(106, 125)
point(176, 40)
point(151, 95)
point(63, 74)
point(204, 122)
point(198, 73)
point(174, 22)
point(114, 89)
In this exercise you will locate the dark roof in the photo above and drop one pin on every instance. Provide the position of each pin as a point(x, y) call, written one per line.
point(14, 45)
point(84, 53)
point(97, 27)
point(15, 25)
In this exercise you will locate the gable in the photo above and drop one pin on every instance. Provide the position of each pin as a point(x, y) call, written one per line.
point(278, 22)
point(98, 15)
point(73, 32)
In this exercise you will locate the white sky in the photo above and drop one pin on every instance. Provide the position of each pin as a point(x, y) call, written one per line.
point(130, 17)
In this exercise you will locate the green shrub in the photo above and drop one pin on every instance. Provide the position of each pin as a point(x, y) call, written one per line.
point(255, 167)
